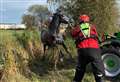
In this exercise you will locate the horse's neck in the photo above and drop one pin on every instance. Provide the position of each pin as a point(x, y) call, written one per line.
point(54, 25)
point(53, 32)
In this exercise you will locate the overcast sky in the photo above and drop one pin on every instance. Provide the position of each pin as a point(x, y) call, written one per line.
point(12, 10)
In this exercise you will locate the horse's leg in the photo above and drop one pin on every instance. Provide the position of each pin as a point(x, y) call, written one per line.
point(66, 49)
point(56, 57)
point(44, 49)
point(61, 55)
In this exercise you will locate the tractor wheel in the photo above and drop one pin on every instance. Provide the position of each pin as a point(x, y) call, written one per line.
point(111, 60)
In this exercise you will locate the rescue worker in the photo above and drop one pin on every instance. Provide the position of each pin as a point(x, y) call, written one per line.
point(86, 39)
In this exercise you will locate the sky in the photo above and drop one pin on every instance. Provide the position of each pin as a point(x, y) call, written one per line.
point(11, 11)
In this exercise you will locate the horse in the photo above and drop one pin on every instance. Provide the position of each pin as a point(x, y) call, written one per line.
point(51, 37)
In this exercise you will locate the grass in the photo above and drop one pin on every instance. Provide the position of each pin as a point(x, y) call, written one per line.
point(20, 66)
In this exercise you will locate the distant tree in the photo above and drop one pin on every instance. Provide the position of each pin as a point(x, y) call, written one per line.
point(28, 20)
point(102, 12)
point(36, 15)
point(40, 12)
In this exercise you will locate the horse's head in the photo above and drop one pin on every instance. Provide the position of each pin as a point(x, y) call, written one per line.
point(57, 19)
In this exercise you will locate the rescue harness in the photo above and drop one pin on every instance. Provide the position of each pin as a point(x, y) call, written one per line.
point(85, 29)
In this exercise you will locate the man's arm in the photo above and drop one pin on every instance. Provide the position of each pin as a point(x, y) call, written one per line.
point(75, 31)
point(94, 29)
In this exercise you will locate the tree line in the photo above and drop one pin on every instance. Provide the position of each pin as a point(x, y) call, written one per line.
point(103, 13)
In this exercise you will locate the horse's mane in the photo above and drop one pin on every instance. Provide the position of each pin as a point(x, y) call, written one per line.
point(54, 24)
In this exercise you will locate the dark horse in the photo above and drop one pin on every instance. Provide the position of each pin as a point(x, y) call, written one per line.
point(48, 37)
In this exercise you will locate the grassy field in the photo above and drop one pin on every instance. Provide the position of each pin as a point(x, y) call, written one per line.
point(22, 51)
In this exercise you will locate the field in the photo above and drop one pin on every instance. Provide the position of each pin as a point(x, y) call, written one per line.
point(22, 52)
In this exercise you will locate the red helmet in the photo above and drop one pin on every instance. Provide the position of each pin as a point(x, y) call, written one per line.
point(84, 18)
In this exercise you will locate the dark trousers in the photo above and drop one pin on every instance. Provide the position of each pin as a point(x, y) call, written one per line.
point(93, 56)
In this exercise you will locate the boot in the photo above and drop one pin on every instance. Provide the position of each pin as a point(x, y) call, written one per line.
point(99, 78)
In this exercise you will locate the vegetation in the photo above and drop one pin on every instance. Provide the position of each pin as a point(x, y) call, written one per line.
point(36, 16)
point(23, 59)
point(28, 20)
point(22, 51)
point(103, 13)
point(39, 10)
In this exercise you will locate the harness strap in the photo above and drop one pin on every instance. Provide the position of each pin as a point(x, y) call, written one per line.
point(80, 39)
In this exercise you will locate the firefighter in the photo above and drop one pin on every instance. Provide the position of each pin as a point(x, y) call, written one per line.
point(86, 40)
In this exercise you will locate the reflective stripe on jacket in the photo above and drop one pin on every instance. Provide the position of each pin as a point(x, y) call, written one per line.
point(85, 42)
